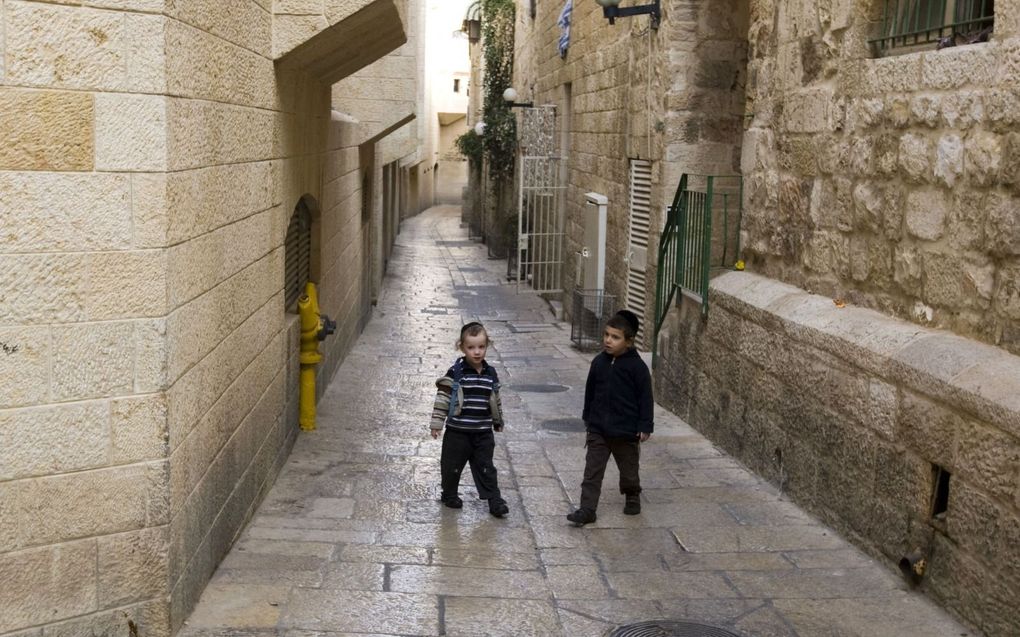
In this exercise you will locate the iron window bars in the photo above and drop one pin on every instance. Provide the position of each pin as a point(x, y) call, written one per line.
point(906, 23)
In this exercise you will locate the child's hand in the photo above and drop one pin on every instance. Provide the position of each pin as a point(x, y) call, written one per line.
point(643, 436)
point(435, 432)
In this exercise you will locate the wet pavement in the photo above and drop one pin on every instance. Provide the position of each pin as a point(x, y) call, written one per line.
point(352, 540)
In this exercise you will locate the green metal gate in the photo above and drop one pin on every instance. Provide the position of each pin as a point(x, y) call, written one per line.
point(702, 234)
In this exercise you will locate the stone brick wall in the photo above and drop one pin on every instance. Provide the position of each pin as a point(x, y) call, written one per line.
point(84, 294)
point(848, 411)
point(673, 96)
point(152, 154)
point(602, 64)
point(891, 182)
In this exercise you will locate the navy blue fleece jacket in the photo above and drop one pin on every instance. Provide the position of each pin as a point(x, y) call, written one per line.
point(618, 399)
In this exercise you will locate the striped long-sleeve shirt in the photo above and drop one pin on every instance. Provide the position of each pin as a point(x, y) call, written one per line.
point(480, 409)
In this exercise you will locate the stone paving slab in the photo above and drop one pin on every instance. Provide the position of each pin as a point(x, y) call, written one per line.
point(351, 539)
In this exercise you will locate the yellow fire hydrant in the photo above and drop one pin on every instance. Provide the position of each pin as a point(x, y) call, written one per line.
point(315, 327)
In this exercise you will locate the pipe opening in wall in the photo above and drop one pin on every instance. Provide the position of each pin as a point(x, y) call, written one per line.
point(940, 492)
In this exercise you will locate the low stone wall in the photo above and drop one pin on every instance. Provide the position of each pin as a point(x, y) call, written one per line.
point(853, 413)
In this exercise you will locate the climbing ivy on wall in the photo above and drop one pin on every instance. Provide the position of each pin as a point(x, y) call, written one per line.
point(470, 146)
point(500, 139)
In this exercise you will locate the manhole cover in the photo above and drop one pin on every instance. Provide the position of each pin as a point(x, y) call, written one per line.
point(539, 389)
point(456, 243)
point(670, 629)
point(563, 424)
point(527, 328)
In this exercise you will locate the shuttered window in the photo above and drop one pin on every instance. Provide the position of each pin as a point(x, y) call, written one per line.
point(640, 225)
point(298, 255)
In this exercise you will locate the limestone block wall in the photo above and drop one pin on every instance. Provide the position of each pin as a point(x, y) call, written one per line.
point(849, 411)
point(893, 181)
point(673, 96)
point(84, 294)
point(345, 284)
point(231, 172)
point(296, 22)
point(606, 70)
point(703, 93)
point(151, 155)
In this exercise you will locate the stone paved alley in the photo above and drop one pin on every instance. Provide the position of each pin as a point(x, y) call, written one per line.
point(352, 540)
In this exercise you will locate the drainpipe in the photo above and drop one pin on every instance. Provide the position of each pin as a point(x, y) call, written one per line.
point(315, 327)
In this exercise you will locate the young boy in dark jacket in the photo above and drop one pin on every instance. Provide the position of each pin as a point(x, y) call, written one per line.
point(618, 416)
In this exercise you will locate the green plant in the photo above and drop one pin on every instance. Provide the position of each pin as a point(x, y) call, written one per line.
point(500, 139)
point(470, 146)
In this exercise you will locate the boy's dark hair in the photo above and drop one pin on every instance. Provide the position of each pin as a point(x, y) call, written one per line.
point(625, 321)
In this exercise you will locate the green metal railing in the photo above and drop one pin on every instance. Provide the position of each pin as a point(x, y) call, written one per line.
point(702, 233)
point(911, 22)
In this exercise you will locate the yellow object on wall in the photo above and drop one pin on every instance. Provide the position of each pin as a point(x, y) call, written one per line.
point(314, 328)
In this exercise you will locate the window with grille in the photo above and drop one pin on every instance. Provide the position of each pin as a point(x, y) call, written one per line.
point(298, 255)
point(906, 23)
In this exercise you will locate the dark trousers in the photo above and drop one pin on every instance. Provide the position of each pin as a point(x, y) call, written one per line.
point(627, 454)
point(474, 447)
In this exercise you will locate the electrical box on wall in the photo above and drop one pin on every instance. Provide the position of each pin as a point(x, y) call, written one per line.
point(593, 250)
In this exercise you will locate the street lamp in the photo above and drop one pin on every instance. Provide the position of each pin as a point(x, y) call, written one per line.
point(510, 97)
point(612, 10)
point(473, 29)
point(480, 129)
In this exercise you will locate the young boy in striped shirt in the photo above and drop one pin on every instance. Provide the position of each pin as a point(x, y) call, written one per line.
point(467, 402)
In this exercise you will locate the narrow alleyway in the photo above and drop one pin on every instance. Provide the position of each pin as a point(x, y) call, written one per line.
point(352, 539)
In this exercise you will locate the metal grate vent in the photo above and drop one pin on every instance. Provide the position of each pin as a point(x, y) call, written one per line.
point(563, 424)
point(298, 255)
point(670, 629)
point(539, 389)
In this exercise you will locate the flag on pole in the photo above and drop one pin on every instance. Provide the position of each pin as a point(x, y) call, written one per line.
point(564, 24)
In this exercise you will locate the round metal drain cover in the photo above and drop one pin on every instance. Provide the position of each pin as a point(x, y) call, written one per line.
point(670, 629)
point(563, 424)
point(539, 389)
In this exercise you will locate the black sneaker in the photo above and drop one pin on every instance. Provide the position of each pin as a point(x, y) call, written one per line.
point(498, 507)
point(582, 517)
point(452, 501)
point(633, 505)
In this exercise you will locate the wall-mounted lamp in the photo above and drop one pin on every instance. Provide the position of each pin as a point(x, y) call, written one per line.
point(612, 10)
point(510, 97)
point(473, 28)
point(472, 24)
point(480, 128)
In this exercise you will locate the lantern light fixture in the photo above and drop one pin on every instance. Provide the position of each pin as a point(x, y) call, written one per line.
point(480, 128)
point(473, 29)
point(472, 24)
point(611, 9)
